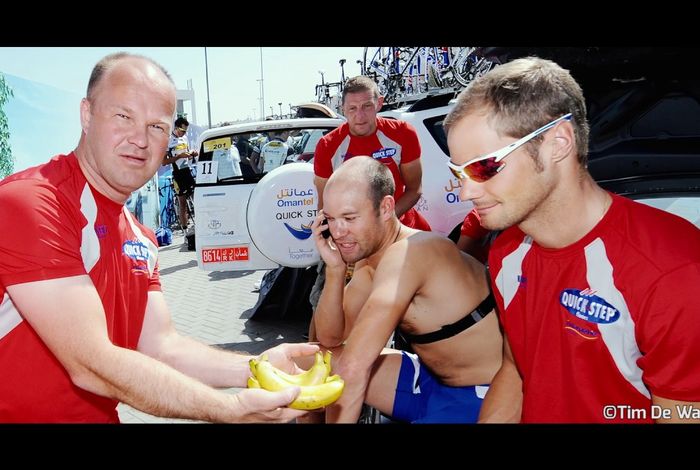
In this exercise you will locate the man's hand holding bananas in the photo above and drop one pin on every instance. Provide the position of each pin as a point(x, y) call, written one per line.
point(318, 387)
point(282, 356)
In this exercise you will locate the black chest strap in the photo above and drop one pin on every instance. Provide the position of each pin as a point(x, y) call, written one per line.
point(447, 331)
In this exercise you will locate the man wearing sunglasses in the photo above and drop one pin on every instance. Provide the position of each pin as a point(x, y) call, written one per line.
point(595, 292)
point(179, 155)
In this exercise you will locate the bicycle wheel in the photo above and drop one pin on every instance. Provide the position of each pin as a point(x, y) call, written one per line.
point(190, 207)
point(168, 211)
point(483, 66)
point(378, 61)
point(462, 65)
point(176, 210)
point(365, 68)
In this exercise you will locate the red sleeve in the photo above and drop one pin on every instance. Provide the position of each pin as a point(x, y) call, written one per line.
point(669, 336)
point(410, 146)
point(471, 227)
point(494, 266)
point(42, 234)
point(154, 281)
point(322, 159)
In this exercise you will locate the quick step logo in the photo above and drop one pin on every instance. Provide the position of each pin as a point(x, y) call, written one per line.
point(584, 304)
point(384, 153)
point(135, 250)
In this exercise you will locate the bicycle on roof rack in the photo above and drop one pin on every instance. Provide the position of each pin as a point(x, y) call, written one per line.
point(401, 72)
point(470, 63)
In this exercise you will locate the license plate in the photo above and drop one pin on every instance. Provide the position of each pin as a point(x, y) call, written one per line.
point(225, 254)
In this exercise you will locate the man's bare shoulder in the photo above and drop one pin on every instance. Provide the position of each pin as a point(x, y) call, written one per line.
point(420, 250)
point(420, 241)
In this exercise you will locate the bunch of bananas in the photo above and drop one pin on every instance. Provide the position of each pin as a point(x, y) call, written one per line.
point(318, 387)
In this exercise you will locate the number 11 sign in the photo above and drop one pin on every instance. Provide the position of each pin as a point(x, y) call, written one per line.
point(206, 172)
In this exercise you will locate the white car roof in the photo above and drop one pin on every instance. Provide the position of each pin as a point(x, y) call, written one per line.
point(262, 126)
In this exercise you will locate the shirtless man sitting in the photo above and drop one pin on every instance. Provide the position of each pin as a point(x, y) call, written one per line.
point(419, 281)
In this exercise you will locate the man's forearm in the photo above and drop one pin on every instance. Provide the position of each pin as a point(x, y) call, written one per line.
point(504, 400)
point(348, 408)
point(167, 160)
point(213, 366)
point(406, 201)
point(329, 317)
point(155, 388)
point(355, 367)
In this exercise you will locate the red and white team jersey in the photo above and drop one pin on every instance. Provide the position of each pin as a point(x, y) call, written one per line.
point(58, 226)
point(394, 142)
point(605, 322)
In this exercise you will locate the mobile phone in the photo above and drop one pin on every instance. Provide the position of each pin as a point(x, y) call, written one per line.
point(326, 233)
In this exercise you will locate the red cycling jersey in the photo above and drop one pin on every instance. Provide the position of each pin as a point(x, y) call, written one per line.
point(63, 227)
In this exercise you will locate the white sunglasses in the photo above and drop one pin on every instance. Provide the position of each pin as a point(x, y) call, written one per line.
point(484, 168)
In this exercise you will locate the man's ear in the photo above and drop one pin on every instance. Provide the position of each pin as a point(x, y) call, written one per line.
point(387, 207)
point(564, 142)
point(380, 103)
point(85, 114)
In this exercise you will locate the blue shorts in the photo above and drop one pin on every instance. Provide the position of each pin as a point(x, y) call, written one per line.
point(421, 398)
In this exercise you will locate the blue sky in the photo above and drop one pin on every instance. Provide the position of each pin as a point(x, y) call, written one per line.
point(43, 121)
point(290, 74)
point(50, 82)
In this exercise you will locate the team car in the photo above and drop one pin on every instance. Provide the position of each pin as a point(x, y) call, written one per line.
point(249, 221)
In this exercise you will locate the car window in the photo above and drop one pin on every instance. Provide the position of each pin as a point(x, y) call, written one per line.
point(687, 207)
point(308, 144)
point(234, 152)
point(434, 126)
point(314, 136)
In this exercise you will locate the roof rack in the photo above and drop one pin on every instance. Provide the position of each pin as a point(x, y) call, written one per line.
point(307, 110)
point(432, 101)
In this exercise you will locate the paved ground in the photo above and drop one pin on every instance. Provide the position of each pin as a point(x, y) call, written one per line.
point(214, 307)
